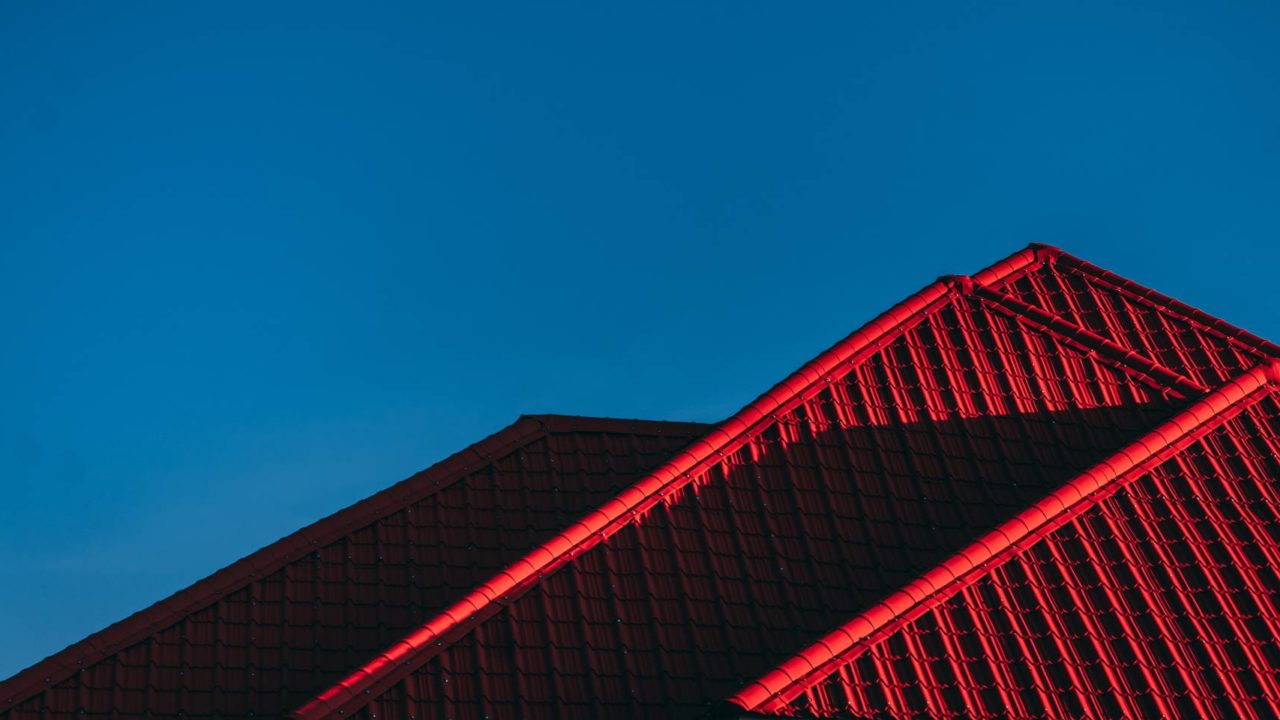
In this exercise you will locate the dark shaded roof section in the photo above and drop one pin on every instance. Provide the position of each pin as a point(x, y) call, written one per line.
point(932, 424)
point(1147, 587)
point(265, 633)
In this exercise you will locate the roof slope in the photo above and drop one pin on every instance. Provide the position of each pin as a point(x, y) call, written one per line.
point(1141, 320)
point(805, 507)
point(1147, 587)
point(267, 632)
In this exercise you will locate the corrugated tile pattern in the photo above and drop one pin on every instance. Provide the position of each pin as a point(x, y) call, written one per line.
point(266, 646)
point(1162, 600)
point(966, 417)
point(1136, 319)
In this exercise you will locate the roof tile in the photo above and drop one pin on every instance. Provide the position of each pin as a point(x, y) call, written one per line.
point(838, 486)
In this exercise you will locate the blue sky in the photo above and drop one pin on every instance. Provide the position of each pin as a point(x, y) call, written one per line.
point(257, 263)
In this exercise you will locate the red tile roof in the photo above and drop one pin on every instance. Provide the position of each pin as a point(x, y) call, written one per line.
point(265, 633)
point(934, 423)
point(903, 526)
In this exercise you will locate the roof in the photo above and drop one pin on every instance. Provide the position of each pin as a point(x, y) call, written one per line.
point(800, 511)
point(947, 643)
point(302, 610)
point(902, 526)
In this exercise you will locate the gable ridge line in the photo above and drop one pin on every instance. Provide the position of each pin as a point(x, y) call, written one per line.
point(419, 646)
point(204, 592)
point(439, 632)
point(1153, 298)
point(784, 683)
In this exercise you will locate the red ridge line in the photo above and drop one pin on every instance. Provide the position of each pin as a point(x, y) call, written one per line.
point(419, 646)
point(1193, 315)
point(1160, 376)
point(773, 691)
point(140, 625)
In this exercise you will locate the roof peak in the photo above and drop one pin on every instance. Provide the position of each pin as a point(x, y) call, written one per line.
point(1050, 254)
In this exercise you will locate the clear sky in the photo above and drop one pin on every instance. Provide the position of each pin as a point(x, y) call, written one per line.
point(257, 262)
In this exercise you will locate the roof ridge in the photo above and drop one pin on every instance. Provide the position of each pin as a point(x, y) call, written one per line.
point(136, 627)
point(1142, 293)
point(418, 646)
point(778, 687)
